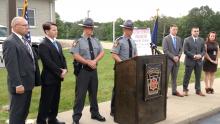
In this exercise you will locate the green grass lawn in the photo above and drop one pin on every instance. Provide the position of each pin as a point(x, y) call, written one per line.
point(105, 70)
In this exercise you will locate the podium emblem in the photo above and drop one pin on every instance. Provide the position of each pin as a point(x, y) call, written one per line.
point(152, 81)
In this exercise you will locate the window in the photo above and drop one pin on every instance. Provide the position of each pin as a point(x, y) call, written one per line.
point(31, 16)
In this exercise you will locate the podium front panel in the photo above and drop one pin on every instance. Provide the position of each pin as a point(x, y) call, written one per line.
point(125, 103)
point(151, 106)
point(141, 85)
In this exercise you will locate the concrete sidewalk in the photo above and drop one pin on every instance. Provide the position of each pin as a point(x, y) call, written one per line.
point(183, 110)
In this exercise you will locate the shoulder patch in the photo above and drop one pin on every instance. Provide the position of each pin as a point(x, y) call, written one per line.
point(119, 38)
point(116, 42)
point(75, 42)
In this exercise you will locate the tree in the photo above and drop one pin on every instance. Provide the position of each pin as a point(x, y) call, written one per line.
point(200, 17)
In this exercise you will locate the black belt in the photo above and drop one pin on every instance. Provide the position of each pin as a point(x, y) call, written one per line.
point(87, 68)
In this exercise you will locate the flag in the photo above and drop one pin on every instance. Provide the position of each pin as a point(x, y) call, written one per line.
point(25, 15)
point(154, 33)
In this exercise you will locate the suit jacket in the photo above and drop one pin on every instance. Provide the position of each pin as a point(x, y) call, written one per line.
point(192, 48)
point(170, 50)
point(21, 68)
point(52, 61)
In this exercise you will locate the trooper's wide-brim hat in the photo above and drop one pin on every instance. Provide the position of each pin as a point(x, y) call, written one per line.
point(128, 24)
point(89, 23)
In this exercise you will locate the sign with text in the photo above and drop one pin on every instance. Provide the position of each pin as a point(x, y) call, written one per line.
point(142, 38)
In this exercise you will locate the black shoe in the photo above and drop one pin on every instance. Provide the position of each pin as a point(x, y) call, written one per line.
point(55, 122)
point(98, 117)
point(76, 122)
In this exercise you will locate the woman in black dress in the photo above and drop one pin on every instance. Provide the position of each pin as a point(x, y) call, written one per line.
point(210, 61)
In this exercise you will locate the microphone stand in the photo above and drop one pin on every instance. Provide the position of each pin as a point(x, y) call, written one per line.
point(154, 49)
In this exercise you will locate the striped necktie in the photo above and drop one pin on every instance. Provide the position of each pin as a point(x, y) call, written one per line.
point(28, 47)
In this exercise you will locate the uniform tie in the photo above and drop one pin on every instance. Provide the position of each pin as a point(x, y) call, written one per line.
point(130, 48)
point(91, 49)
point(174, 42)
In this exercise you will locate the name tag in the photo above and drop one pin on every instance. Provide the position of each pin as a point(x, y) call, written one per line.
point(214, 52)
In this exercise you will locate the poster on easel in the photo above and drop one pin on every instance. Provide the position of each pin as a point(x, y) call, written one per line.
point(142, 38)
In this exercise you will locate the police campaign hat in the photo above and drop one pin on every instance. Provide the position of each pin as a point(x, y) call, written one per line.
point(89, 23)
point(128, 24)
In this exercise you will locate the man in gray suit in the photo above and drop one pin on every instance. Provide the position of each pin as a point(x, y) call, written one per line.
point(172, 46)
point(22, 68)
point(194, 50)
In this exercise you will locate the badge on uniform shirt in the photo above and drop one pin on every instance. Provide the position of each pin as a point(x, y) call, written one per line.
point(116, 43)
point(74, 43)
point(214, 52)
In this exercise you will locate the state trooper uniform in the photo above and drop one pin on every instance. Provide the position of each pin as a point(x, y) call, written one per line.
point(125, 48)
point(86, 77)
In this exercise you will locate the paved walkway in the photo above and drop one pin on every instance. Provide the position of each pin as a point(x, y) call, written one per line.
point(179, 110)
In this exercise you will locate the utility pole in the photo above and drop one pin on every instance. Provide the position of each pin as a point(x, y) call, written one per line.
point(12, 9)
point(88, 13)
point(113, 31)
point(164, 29)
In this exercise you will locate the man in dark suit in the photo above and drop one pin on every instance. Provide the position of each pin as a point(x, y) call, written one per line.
point(172, 46)
point(54, 70)
point(194, 50)
point(17, 52)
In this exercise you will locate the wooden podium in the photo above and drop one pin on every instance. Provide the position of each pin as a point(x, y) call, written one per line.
point(141, 84)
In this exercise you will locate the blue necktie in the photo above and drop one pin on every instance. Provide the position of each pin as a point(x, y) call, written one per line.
point(174, 42)
point(55, 44)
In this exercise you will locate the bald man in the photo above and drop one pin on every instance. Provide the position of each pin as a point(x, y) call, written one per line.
point(22, 68)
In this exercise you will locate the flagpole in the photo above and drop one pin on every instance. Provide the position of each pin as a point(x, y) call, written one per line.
point(154, 36)
point(11, 12)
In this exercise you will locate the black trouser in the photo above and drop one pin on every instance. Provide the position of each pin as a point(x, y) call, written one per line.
point(49, 103)
point(113, 96)
point(86, 80)
point(19, 107)
point(188, 71)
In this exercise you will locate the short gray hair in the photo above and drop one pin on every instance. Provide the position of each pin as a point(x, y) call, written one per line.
point(15, 20)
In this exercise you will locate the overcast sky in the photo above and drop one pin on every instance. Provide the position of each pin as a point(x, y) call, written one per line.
point(109, 10)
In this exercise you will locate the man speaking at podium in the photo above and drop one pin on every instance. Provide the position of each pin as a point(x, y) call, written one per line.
point(124, 48)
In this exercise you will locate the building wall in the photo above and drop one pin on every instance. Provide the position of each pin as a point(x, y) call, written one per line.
point(4, 12)
point(42, 13)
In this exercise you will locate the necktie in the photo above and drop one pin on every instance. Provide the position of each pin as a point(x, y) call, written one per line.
point(91, 49)
point(174, 42)
point(130, 48)
point(196, 47)
point(28, 47)
point(55, 44)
